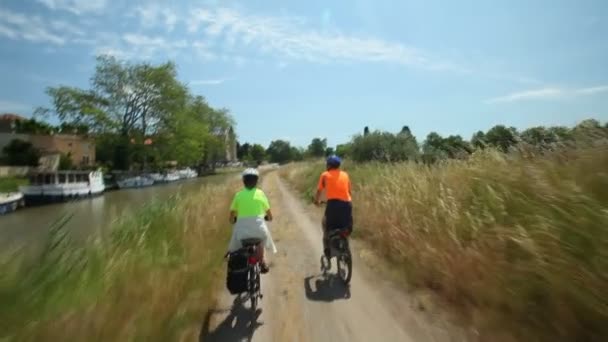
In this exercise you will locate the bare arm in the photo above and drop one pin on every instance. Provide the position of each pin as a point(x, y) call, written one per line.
point(320, 189)
point(318, 197)
point(232, 217)
point(268, 215)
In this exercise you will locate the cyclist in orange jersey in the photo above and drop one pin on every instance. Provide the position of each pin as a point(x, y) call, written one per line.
point(339, 210)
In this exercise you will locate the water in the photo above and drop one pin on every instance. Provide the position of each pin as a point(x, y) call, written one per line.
point(90, 216)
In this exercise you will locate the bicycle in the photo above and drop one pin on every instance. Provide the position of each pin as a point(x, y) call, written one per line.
point(249, 250)
point(254, 288)
point(339, 248)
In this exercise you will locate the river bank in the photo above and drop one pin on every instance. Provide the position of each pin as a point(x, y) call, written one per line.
point(11, 184)
point(513, 243)
point(150, 278)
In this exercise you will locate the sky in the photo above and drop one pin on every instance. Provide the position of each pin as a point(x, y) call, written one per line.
point(296, 70)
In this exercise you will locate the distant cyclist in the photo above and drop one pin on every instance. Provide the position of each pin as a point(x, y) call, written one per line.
point(248, 212)
point(339, 210)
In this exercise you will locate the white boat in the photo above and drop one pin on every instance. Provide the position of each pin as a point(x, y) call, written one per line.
point(157, 177)
point(9, 202)
point(172, 177)
point(58, 186)
point(187, 173)
point(135, 182)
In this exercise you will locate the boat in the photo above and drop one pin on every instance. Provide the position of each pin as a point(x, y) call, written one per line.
point(135, 182)
point(59, 186)
point(9, 202)
point(187, 173)
point(172, 177)
point(157, 177)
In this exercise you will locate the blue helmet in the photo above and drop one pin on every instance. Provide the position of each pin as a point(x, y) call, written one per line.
point(334, 161)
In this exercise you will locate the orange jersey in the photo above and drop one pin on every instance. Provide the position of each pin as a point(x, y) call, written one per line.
point(336, 184)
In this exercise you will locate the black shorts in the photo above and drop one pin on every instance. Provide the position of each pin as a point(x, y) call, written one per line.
point(339, 215)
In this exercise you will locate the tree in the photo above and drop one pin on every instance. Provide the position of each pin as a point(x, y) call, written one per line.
point(384, 146)
point(329, 151)
point(479, 140)
point(131, 100)
point(281, 151)
point(65, 162)
point(317, 147)
point(297, 154)
point(365, 131)
point(20, 153)
point(539, 136)
point(433, 148)
point(257, 153)
point(344, 150)
point(243, 151)
point(33, 126)
point(502, 137)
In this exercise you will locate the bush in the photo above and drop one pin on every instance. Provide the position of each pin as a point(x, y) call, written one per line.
point(20, 153)
point(384, 146)
point(11, 184)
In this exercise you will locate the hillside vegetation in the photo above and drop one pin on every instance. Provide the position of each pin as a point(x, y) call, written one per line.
point(520, 239)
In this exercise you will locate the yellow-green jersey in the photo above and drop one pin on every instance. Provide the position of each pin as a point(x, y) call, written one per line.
point(250, 203)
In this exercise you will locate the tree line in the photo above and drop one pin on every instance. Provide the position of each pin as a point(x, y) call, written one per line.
point(384, 146)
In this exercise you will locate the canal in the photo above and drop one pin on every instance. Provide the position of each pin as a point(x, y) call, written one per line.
point(89, 216)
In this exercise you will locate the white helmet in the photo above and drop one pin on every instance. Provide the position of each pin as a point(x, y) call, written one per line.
point(251, 172)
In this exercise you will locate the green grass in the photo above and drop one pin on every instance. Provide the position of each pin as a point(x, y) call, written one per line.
point(151, 279)
point(521, 240)
point(11, 184)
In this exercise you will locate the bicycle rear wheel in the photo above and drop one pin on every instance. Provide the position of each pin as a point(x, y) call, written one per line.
point(254, 288)
point(345, 267)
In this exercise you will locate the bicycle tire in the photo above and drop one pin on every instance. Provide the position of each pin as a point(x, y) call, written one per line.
point(253, 288)
point(345, 260)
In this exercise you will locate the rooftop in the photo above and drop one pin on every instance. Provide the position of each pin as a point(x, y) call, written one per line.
point(11, 117)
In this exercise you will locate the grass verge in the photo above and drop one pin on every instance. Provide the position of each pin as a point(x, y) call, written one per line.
point(151, 279)
point(11, 184)
point(518, 241)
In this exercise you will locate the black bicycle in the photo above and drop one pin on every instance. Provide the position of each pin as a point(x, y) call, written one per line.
point(340, 250)
point(254, 287)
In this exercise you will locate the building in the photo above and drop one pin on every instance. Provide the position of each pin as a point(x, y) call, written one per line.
point(80, 149)
point(7, 122)
point(230, 143)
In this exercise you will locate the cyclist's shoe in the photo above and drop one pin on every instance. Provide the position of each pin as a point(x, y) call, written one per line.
point(264, 268)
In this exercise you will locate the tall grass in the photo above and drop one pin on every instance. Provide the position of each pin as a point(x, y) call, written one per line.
point(521, 239)
point(151, 279)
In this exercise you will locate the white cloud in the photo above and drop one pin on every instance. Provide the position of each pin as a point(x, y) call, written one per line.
point(152, 15)
point(13, 107)
point(35, 29)
point(209, 82)
point(287, 37)
point(8, 32)
point(548, 93)
point(63, 26)
point(593, 90)
point(141, 46)
point(77, 7)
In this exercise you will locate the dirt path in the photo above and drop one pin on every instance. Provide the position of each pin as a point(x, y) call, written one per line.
point(301, 305)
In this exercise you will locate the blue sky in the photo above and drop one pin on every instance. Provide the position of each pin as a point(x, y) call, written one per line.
point(302, 69)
